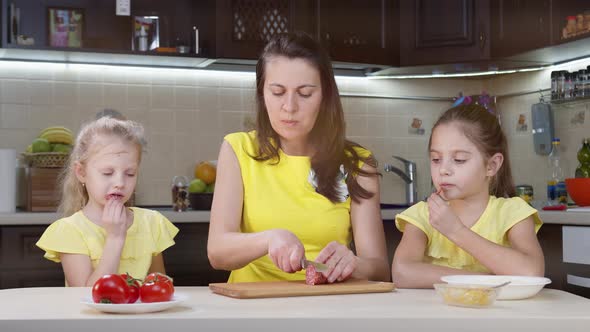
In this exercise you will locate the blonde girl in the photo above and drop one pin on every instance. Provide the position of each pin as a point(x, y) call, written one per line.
point(100, 235)
point(472, 224)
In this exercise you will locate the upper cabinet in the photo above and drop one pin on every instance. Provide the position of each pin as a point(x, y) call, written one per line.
point(359, 31)
point(245, 26)
point(351, 31)
point(520, 25)
point(434, 31)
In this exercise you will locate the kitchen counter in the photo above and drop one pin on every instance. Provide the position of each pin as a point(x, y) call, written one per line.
point(192, 216)
point(59, 309)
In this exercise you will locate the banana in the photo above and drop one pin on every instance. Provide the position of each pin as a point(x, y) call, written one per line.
point(58, 136)
point(59, 128)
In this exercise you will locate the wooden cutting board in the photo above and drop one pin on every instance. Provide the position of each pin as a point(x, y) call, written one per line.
point(252, 290)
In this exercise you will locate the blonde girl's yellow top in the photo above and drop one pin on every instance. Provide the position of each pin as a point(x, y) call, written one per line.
point(500, 215)
point(281, 196)
point(150, 234)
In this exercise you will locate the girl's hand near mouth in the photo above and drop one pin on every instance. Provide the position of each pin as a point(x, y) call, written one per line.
point(114, 218)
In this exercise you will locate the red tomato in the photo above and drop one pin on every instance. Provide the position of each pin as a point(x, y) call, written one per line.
point(133, 285)
point(156, 287)
point(110, 288)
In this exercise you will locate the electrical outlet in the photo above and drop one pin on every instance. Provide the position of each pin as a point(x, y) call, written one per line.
point(123, 8)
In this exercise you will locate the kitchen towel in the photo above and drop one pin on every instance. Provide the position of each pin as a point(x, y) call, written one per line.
point(7, 180)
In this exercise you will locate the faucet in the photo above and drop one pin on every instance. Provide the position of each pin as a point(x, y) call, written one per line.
point(409, 177)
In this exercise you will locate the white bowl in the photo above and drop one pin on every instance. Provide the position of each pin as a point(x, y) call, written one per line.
point(520, 287)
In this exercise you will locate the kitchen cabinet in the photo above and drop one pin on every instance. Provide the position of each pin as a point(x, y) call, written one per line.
point(520, 25)
point(437, 32)
point(245, 26)
point(103, 31)
point(365, 32)
point(22, 263)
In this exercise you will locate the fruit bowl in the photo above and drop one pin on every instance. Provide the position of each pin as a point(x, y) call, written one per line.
point(200, 201)
point(579, 190)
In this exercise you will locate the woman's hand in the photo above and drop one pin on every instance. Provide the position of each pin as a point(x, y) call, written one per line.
point(340, 259)
point(285, 250)
point(114, 218)
point(442, 217)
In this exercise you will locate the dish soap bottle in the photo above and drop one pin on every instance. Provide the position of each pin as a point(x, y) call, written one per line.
point(583, 170)
point(556, 190)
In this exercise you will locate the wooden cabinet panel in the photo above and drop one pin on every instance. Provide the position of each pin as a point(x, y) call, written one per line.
point(361, 32)
point(245, 26)
point(520, 25)
point(436, 32)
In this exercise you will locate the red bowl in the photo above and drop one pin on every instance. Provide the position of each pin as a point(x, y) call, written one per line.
point(579, 190)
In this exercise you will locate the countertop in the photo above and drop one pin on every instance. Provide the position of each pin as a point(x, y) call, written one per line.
point(192, 216)
point(59, 309)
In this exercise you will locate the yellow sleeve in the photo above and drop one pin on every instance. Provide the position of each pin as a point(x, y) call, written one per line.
point(514, 210)
point(416, 215)
point(165, 233)
point(62, 237)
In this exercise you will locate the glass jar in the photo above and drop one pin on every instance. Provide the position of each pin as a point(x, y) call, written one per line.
point(525, 191)
point(180, 200)
point(571, 26)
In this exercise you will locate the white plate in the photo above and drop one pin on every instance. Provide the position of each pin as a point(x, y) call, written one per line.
point(520, 287)
point(135, 308)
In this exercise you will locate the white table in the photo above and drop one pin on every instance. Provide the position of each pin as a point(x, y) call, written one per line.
point(59, 309)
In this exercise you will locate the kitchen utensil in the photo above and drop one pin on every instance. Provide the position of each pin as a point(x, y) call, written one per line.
point(520, 287)
point(318, 266)
point(250, 290)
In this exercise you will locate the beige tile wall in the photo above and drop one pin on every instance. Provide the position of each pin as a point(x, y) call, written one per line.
point(187, 113)
point(528, 167)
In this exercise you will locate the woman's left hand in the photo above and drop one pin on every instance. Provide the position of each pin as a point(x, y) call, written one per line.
point(442, 217)
point(340, 259)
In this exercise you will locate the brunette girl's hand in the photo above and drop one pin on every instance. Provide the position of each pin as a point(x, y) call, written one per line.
point(114, 218)
point(341, 260)
point(442, 217)
point(285, 250)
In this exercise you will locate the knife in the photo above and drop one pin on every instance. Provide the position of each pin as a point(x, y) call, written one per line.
point(318, 266)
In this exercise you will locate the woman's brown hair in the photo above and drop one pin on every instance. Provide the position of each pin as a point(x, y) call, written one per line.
point(328, 133)
point(483, 129)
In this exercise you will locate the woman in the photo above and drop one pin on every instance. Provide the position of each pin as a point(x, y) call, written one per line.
point(295, 187)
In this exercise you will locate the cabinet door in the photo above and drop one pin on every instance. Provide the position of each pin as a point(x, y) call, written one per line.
point(359, 31)
point(245, 26)
point(435, 32)
point(187, 260)
point(519, 25)
point(22, 263)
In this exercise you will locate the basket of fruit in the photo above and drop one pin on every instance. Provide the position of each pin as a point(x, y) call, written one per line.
point(200, 190)
point(50, 149)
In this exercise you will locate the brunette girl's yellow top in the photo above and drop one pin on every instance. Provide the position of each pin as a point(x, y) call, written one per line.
point(500, 215)
point(150, 234)
point(281, 196)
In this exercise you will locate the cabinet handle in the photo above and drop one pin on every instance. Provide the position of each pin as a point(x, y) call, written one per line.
point(482, 40)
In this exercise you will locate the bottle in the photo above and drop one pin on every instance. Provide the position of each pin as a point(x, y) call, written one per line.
point(556, 190)
point(554, 75)
point(143, 39)
point(561, 84)
point(583, 170)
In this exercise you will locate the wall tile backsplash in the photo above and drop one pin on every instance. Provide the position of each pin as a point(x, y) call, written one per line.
point(187, 113)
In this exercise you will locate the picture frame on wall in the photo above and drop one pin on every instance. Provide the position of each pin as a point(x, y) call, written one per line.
point(65, 27)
